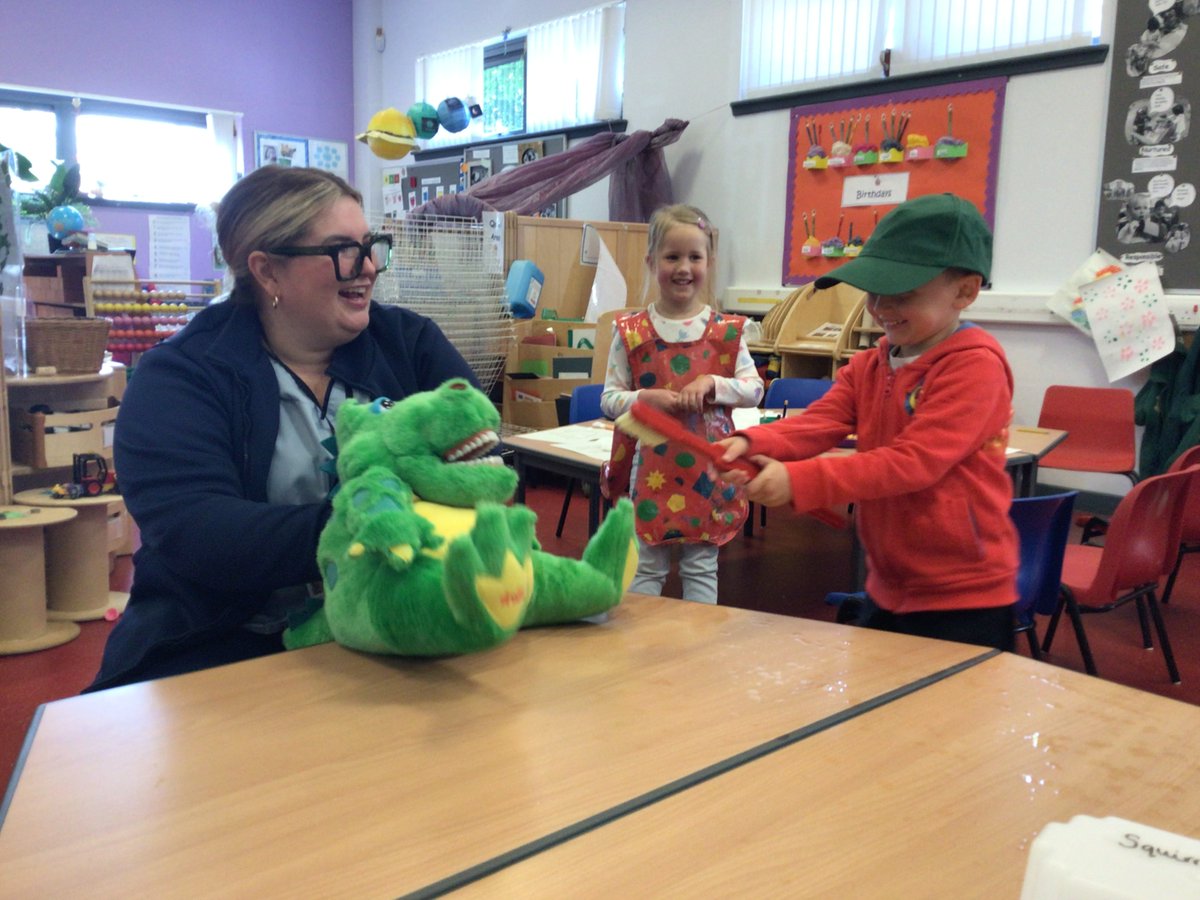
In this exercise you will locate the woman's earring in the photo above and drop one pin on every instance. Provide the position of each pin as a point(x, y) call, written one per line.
point(275, 302)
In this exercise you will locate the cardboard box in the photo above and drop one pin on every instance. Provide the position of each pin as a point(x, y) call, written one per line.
point(531, 402)
point(35, 444)
point(539, 359)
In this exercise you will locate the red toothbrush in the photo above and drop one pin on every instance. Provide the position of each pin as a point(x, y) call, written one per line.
point(653, 426)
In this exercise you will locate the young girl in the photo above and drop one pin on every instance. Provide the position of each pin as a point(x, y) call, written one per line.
point(691, 361)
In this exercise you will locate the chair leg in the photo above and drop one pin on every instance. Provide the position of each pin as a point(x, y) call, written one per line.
point(1161, 628)
point(1034, 650)
point(562, 516)
point(1144, 622)
point(1053, 626)
point(748, 525)
point(1085, 649)
point(1166, 597)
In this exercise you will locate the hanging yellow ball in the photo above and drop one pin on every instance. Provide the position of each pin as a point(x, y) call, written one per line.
point(390, 134)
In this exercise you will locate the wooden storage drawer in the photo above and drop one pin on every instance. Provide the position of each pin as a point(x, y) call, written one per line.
point(90, 431)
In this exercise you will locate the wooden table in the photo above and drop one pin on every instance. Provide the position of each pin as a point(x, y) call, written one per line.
point(329, 772)
point(938, 794)
point(24, 623)
point(1027, 445)
point(77, 558)
point(538, 453)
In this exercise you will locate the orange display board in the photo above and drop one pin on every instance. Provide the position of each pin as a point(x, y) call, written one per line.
point(851, 162)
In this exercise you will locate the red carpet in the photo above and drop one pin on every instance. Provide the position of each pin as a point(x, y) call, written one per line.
point(786, 568)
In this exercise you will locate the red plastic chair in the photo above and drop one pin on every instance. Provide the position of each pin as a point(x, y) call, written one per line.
point(1139, 548)
point(1100, 430)
point(1189, 536)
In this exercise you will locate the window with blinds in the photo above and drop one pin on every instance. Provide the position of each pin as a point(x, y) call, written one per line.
point(791, 45)
point(557, 74)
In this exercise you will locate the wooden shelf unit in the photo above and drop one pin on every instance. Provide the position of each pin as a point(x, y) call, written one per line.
point(555, 247)
point(78, 391)
point(820, 330)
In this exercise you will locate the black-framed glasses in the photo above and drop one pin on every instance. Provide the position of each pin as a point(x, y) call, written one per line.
point(348, 256)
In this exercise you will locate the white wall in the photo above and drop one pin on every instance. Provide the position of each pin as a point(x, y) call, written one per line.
point(682, 62)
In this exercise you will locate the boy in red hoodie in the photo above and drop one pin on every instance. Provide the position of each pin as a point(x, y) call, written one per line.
point(931, 406)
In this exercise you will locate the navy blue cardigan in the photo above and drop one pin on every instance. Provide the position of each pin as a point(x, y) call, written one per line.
point(194, 440)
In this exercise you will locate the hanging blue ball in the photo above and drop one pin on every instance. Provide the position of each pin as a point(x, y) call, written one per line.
point(424, 118)
point(453, 115)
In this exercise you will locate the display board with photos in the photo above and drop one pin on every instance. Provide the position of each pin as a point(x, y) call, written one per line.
point(412, 181)
point(1151, 154)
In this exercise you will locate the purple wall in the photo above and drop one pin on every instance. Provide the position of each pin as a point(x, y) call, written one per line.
point(286, 64)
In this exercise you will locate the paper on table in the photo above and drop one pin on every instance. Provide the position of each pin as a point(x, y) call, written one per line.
point(746, 416)
point(608, 289)
point(1130, 322)
point(592, 441)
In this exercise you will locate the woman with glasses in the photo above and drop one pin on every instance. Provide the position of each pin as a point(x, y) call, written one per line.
point(222, 440)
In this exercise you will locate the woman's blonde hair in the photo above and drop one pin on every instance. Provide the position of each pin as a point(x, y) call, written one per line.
point(663, 220)
point(273, 206)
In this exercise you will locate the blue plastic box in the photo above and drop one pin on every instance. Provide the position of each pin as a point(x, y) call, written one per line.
point(523, 288)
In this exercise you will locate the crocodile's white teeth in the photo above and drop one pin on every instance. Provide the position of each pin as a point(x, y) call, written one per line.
point(473, 448)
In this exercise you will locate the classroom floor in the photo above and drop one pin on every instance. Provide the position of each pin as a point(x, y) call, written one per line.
point(786, 568)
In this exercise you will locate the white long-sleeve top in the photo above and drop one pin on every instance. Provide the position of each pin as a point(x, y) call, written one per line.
point(745, 388)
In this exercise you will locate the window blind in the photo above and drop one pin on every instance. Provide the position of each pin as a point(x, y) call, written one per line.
point(791, 44)
point(575, 71)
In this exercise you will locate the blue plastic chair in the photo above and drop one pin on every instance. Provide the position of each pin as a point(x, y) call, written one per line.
point(795, 393)
point(787, 393)
point(1044, 525)
point(585, 406)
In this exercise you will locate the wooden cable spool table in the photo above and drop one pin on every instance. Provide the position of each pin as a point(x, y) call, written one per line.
point(24, 622)
point(77, 558)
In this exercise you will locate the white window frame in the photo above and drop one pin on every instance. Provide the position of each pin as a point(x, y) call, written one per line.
point(790, 45)
point(221, 134)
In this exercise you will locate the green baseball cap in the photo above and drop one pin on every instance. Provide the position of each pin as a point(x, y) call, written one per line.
point(915, 243)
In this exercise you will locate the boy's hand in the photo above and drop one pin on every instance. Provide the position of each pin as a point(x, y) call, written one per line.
point(772, 486)
point(734, 447)
point(693, 397)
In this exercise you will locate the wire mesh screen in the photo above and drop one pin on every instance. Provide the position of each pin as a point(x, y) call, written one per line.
point(446, 269)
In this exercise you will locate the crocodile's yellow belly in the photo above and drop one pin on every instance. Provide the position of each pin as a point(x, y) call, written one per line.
point(449, 521)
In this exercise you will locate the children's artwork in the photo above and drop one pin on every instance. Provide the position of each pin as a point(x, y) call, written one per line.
point(332, 156)
point(1067, 303)
point(851, 162)
point(1130, 322)
point(279, 150)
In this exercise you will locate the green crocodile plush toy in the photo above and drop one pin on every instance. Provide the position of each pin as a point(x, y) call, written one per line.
point(421, 557)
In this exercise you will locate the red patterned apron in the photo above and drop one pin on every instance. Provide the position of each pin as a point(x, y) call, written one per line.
point(678, 496)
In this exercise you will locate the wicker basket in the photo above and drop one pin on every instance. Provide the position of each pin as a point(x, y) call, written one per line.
point(72, 346)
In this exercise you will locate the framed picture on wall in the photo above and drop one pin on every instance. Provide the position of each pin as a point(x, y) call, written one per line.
point(477, 170)
point(530, 151)
point(279, 150)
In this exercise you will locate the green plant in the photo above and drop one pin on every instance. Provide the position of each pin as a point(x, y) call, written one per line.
point(24, 167)
point(62, 190)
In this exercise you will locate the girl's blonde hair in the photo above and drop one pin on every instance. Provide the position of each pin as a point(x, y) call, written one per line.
point(663, 220)
point(273, 206)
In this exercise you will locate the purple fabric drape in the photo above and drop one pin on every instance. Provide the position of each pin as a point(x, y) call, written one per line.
point(640, 181)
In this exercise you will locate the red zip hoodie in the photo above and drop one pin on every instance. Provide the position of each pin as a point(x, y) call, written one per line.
point(928, 482)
